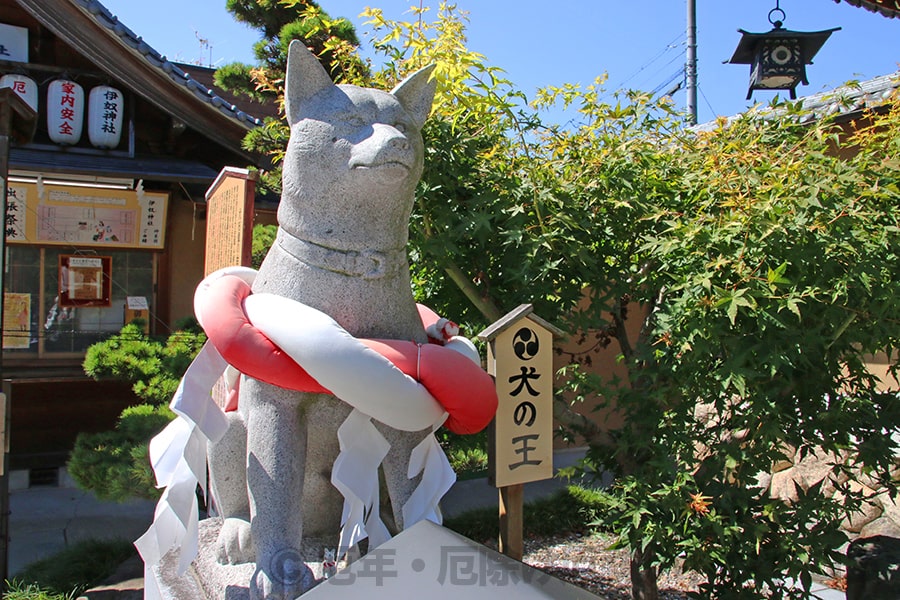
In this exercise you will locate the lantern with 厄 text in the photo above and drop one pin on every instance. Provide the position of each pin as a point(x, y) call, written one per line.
point(24, 86)
point(105, 108)
point(779, 57)
point(65, 111)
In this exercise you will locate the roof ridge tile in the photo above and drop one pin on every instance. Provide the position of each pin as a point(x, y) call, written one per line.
point(108, 20)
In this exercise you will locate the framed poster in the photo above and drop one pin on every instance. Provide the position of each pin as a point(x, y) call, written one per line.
point(75, 216)
point(16, 321)
point(85, 280)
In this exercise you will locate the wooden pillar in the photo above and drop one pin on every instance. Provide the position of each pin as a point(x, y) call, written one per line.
point(17, 123)
point(511, 520)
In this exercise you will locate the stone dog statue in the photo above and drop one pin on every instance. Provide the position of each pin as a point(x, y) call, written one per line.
point(352, 164)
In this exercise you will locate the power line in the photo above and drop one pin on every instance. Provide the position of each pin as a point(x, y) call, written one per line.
point(705, 99)
point(674, 44)
point(679, 74)
point(673, 60)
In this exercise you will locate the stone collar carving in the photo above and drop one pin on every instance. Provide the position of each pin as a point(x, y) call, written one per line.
point(366, 264)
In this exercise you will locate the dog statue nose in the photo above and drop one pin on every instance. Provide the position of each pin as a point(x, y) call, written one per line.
point(390, 136)
point(400, 142)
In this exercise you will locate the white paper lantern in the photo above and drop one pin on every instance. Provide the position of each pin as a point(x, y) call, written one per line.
point(25, 87)
point(65, 111)
point(105, 108)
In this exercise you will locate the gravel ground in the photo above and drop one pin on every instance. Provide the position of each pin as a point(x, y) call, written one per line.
point(586, 561)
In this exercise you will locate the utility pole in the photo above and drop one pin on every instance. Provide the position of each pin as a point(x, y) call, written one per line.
point(690, 67)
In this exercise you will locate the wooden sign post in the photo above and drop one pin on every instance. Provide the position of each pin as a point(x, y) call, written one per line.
point(229, 219)
point(230, 203)
point(520, 448)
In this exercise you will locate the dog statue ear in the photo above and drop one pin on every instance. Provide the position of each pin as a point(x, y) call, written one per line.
point(305, 78)
point(416, 93)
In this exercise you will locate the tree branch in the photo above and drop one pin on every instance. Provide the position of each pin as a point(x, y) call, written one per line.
point(484, 305)
point(581, 425)
point(621, 332)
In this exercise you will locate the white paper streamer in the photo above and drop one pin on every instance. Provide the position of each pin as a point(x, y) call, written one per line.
point(355, 475)
point(178, 457)
point(428, 458)
point(328, 353)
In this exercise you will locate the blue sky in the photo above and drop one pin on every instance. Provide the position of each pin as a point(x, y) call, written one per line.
point(540, 43)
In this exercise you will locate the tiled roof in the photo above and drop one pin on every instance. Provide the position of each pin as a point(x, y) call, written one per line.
point(206, 76)
point(108, 20)
point(888, 8)
point(845, 100)
point(854, 96)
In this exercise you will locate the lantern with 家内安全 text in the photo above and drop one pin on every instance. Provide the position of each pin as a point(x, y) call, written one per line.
point(65, 111)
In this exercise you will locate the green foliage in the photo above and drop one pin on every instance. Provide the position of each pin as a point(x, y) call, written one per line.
point(66, 574)
point(573, 509)
point(765, 253)
point(18, 590)
point(238, 78)
point(153, 366)
point(467, 453)
point(263, 238)
point(115, 465)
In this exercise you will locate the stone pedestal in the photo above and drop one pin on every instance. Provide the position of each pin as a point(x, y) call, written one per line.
point(429, 561)
point(207, 579)
point(424, 561)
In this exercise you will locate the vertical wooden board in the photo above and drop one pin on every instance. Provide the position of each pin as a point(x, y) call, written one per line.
point(229, 220)
point(522, 357)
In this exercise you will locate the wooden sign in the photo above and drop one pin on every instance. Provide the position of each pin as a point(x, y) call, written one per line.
point(229, 236)
point(137, 307)
point(520, 357)
point(520, 447)
point(229, 219)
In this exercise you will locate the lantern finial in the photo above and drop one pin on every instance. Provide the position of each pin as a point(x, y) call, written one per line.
point(777, 23)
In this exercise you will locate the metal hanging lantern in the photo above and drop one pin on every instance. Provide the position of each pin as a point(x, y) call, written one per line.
point(778, 58)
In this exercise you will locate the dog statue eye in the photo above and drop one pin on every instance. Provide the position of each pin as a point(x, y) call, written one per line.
point(401, 127)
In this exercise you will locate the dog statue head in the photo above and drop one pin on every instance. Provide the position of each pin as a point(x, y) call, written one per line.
point(354, 157)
